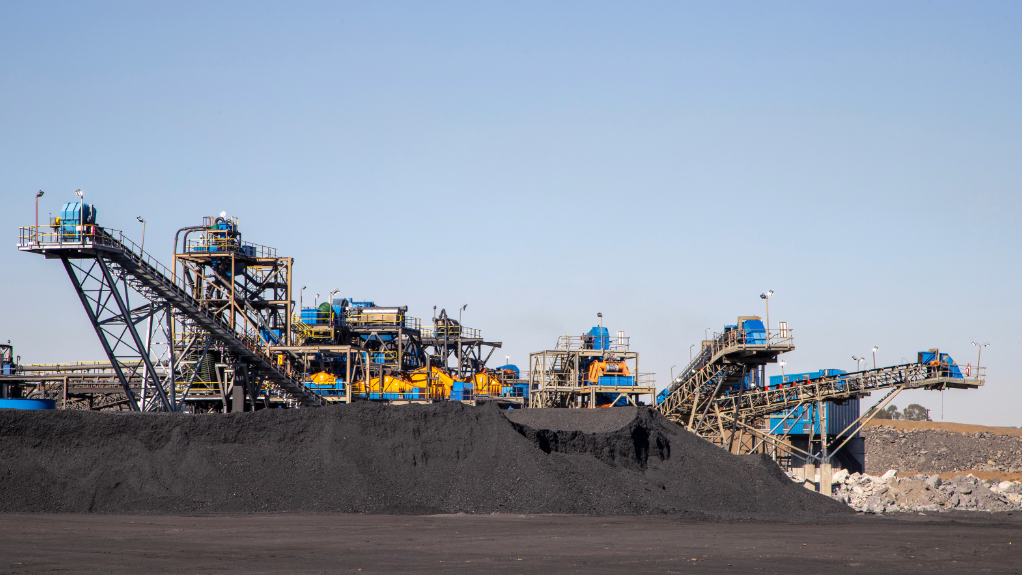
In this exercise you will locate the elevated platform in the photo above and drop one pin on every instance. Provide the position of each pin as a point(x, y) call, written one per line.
point(118, 265)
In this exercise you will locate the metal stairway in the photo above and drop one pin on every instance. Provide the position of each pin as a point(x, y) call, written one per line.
point(722, 362)
point(102, 264)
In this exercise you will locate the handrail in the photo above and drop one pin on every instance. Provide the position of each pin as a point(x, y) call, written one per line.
point(586, 342)
point(91, 236)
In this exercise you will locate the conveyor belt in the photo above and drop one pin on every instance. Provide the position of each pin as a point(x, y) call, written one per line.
point(155, 284)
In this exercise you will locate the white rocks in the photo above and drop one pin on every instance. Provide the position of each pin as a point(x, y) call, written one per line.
point(920, 493)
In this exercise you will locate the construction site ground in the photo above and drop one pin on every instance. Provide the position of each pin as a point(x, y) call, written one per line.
point(945, 449)
point(440, 488)
point(364, 544)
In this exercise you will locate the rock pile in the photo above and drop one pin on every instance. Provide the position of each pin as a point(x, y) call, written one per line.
point(921, 493)
point(940, 451)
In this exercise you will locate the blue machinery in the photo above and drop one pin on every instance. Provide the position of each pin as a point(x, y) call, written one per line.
point(223, 314)
point(722, 395)
point(216, 329)
point(588, 371)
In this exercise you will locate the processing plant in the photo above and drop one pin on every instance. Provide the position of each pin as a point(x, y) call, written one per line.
point(218, 331)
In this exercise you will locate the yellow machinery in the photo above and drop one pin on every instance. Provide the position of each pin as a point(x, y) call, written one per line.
point(439, 382)
point(598, 369)
point(484, 383)
point(394, 387)
point(418, 384)
point(434, 383)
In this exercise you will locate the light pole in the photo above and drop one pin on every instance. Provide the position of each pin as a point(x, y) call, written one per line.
point(690, 352)
point(766, 296)
point(141, 220)
point(315, 302)
point(978, 358)
point(782, 363)
point(81, 211)
point(706, 334)
point(460, 328)
point(875, 348)
point(672, 372)
point(857, 360)
point(301, 305)
point(38, 195)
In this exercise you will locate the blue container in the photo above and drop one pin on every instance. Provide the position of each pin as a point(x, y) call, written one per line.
point(461, 390)
point(310, 315)
point(839, 417)
point(776, 380)
point(28, 404)
point(617, 380)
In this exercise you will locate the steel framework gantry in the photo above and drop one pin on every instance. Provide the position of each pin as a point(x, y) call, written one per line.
point(558, 378)
point(132, 300)
point(449, 340)
point(713, 398)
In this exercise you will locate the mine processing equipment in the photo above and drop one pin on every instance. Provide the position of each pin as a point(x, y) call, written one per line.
point(723, 397)
point(229, 298)
point(588, 371)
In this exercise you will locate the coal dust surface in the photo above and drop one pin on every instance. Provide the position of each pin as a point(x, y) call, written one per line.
point(383, 459)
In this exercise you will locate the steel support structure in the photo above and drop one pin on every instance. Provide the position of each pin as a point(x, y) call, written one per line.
point(112, 276)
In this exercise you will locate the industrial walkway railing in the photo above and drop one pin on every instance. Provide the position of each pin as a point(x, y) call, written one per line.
point(157, 284)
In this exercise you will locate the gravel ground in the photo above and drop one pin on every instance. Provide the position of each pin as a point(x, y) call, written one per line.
point(549, 544)
point(371, 458)
point(941, 451)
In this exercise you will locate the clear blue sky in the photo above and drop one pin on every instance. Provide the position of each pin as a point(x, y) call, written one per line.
point(663, 164)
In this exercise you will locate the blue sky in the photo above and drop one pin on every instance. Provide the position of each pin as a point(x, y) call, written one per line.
point(662, 164)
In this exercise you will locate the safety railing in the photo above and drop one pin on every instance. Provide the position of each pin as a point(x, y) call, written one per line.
point(392, 321)
point(773, 398)
point(744, 339)
point(645, 380)
point(514, 391)
point(215, 245)
point(451, 332)
point(90, 236)
point(585, 342)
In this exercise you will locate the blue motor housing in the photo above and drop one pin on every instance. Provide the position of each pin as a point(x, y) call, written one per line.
point(755, 332)
point(597, 338)
point(72, 216)
point(512, 368)
point(934, 356)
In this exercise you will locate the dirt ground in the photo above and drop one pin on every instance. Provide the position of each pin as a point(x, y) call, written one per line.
point(956, 427)
point(364, 544)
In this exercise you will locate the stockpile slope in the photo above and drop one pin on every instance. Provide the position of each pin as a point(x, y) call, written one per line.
point(371, 458)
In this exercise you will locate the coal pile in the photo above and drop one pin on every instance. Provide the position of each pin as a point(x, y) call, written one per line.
point(371, 458)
